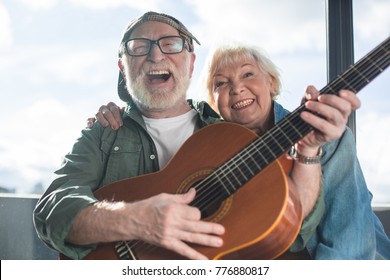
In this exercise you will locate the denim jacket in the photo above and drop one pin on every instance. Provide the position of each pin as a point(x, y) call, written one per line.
point(349, 228)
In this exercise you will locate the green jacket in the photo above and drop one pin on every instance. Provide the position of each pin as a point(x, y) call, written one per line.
point(101, 156)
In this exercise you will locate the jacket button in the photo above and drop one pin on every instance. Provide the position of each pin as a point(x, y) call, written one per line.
point(152, 157)
point(116, 148)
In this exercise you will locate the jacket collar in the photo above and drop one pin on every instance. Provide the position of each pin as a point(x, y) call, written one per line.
point(206, 113)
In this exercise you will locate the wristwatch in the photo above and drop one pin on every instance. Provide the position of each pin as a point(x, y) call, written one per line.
point(304, 159)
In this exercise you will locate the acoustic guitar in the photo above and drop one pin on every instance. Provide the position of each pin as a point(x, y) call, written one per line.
point(240, 181)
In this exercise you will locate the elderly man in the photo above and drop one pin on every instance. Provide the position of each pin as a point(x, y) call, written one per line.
point(156, 61)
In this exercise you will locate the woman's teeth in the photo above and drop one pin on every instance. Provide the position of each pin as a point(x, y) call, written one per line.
point(242, 104)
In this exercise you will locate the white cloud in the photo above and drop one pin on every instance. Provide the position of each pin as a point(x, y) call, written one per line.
point(142, 5)
point(6, 38)
point(40, 4)
point(373, 134)
point(95, 4)
point(34, 152)
point(374, 20)
point(262, 22)
point(79, 66)
point(59, 63)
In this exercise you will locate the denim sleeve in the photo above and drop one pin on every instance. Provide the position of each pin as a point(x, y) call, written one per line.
point(71, 190)
point(347, 228)
point(309, 225)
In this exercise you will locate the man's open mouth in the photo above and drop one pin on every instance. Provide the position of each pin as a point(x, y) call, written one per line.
point(158, 76)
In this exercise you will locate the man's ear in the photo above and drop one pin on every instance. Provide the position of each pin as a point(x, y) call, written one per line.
point(120, 65)
point(193, 57)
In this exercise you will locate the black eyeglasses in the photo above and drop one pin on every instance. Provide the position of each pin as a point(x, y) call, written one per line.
point(142, 46)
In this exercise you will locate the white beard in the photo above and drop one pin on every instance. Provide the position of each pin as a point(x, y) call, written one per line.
point(160, 99)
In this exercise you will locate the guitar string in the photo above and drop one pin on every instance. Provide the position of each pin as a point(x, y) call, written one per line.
point(372, 72)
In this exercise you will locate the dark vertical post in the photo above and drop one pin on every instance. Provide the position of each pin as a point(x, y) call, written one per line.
point(340, 52)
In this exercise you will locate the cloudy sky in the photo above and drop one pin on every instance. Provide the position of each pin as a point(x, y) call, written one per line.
point(58, 64)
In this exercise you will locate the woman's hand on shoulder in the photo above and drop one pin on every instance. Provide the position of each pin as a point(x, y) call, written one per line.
point(107, 115)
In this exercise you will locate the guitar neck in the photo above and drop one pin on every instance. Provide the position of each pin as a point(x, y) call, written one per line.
point(360, 74)
point(355, 78)
point(273, 144)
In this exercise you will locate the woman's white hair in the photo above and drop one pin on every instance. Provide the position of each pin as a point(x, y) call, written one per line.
point(227, 55)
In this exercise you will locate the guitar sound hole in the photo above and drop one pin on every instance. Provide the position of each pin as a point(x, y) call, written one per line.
point(214, 205)
point(212, 200)
point(209, 210)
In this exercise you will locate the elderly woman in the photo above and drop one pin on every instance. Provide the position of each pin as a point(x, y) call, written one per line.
point(242, 84)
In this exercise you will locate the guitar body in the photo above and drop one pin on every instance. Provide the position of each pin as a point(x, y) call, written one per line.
point(262, 218)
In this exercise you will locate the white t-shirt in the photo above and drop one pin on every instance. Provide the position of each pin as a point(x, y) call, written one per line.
point(170, 133)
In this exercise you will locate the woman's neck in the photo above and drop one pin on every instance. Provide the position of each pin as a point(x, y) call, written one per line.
point(264, 126)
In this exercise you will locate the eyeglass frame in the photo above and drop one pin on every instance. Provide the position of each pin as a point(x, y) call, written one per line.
point(157, 43)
